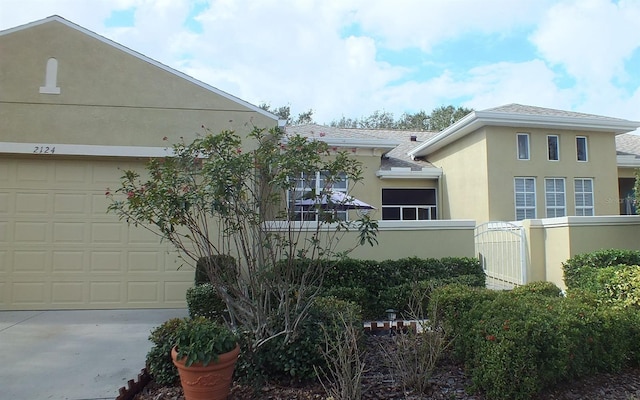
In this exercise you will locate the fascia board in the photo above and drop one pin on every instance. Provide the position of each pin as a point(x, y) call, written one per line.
point(628, 161)
point(144, 58)
point(386, 145)
point(479, 119)
point(426, 173)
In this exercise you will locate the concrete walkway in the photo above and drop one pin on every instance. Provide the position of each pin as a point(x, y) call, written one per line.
point(74, 355)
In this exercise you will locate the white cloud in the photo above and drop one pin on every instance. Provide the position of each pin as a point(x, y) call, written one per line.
point(590, 38)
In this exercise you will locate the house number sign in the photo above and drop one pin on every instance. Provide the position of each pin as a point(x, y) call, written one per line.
point(44, 149)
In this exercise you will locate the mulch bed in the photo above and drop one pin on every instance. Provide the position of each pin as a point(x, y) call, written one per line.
point(448, 382)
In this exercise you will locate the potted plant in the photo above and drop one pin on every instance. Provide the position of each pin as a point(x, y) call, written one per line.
point(205, 354)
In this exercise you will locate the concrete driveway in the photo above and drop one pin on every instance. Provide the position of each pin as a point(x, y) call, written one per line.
point(74, 355)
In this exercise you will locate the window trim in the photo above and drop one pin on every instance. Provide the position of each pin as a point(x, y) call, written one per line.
point(528, 146)
point(317, 182)
point(557, 148)
point(592, 207)
point(515, 198)
point(586, 149)
point(564, 197)
point(416, 206)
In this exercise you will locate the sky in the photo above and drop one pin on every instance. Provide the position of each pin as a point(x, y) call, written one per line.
point(354, 57)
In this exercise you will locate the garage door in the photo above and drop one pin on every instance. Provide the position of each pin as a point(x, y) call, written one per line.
point(59, 249)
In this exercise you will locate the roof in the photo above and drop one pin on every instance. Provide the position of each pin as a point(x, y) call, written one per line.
point(57, 18)
point(628, 150)
point(523, 116)
point(395, 144)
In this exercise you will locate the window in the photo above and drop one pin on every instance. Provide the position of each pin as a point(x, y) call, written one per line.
point(555, 197)
point(523, 146)
point(553, 146)
point(409, 204)
point(525, 193)
point(307, 187)
point(584, 196)
point(581, 148)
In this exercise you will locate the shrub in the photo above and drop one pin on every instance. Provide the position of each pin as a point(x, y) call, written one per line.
point(623, 287)
point(518, 342)
point(579, 270)
point(542, 288)
point(203, 301)
point(215, 264)
point(159, 363)
point(279, 360)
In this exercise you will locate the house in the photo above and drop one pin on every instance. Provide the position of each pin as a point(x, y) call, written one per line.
point(75, 110)
point(507, 163)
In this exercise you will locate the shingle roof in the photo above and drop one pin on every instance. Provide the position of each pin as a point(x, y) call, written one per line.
point(628, 144)
point(515, 108)
point(396, 158)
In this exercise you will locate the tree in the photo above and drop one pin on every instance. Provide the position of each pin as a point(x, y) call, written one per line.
point(444, 116)
point(212, 199)
point(439, 119)
point(284, 113)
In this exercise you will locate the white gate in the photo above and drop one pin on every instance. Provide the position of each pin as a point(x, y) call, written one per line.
point(500, 246)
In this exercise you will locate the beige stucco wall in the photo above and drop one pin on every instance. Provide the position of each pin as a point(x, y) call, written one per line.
point(107, 96)
point(503, 167)
point(553, 241)
point(464, 181)
point(626, 172)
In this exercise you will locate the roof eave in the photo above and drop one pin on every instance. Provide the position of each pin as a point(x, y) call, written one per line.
point(425, 173)
point(479, 119)
point(628, 161)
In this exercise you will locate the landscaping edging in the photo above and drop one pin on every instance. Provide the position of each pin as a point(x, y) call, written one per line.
point(133, 387)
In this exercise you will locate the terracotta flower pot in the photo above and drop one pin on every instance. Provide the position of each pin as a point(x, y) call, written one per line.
point(211, 382)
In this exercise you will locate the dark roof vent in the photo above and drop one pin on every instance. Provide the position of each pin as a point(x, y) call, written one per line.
point(413, 138)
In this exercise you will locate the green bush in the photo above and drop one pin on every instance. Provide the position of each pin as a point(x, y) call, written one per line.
point(580, 270)
point(543, 288)
point(277, 360)
point(623, 287)
point(215, 264)
point(159, 363)
point(203, 301)
point(377, 286)
point(516, 343)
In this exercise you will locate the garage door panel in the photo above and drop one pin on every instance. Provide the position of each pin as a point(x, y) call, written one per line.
point(107, 261)
point(32, 203)
point(67, 261)
point(70, 203)
point(67, 293)
point(59, 248)
point(107, 232)
point(30, 261)
point(30, 232)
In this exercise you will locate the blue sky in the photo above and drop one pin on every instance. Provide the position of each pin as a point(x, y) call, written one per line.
point(353, 57)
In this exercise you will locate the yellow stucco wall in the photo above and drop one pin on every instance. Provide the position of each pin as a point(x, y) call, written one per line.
point(107, 96)
point(464, 181)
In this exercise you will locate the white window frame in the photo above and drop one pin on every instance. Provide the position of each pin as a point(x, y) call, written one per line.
point(526, 207)
point(555, 199)
point(557, 150)
point(582, 198)
point(520, 152)
point(586, 149)
point(302, 187)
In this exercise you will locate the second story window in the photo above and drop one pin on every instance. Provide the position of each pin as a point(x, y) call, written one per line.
point(553, 146)
point(581, 148)
point(523, 146)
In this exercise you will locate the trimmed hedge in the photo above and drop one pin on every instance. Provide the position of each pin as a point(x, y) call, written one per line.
point(580, 271)
point(377, 286)
point(203, 301)
point(516, 343)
